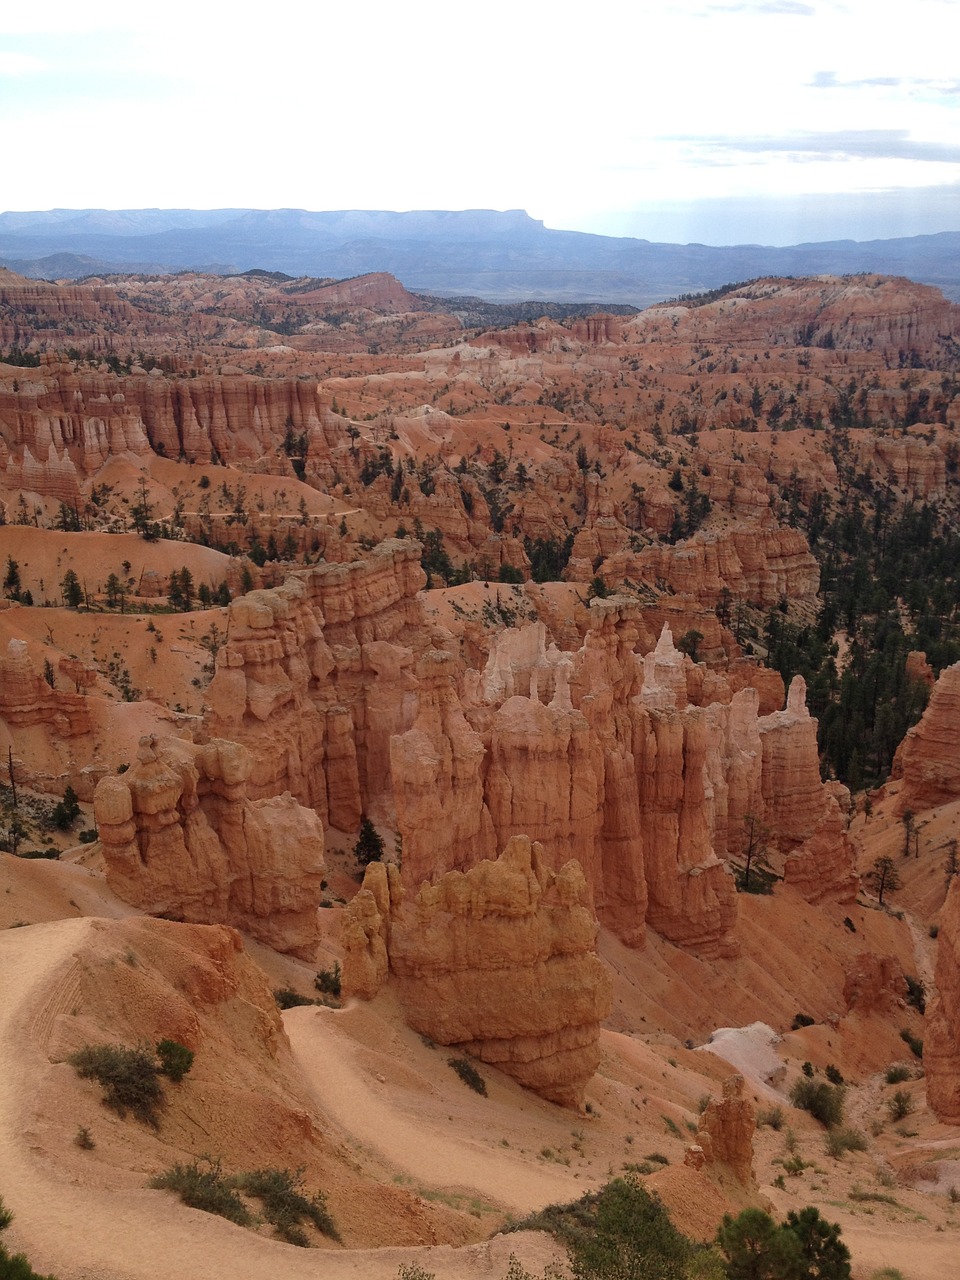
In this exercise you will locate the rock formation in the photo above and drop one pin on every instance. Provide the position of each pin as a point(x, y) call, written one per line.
point(874, 983)
point(941, 1043)
point(928, 756)
point(27, 699)
point(498, 961)
point(725, 1134)
point(181, 838)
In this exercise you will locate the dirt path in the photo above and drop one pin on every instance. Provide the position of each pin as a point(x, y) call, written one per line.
point(80, 1232)
point(327, 1058)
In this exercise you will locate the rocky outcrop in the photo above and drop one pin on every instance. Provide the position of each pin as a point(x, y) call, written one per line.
point(315, 679)
point(874, 983)
point(929, 756)
point(27, 699)
point(181, 838)
point(725, 1134)
point(498, 961)
point(761, 563)
point(941, 1043)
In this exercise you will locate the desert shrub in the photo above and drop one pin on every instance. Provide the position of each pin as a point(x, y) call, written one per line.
point(175, 1059)
point(897, 1073)
point(88, 835)
point(328, 980)
point(632, 1235)
point(833, 1073)
point(872, 1197)
point(916, 995)
point(807, 1069)
point(914, 1043)
point(413, 1271)
point(84, 1139)
point(658, 1157)
point(823, 1101)
point(772, 1117)
point(900, 1105)
point(838, 1141)
point(287, 998)
point(202, 1184)
point(469, 1074)
point(888, 1273)
point(801, 1020)
point(129, 1079)
point(285, 1206)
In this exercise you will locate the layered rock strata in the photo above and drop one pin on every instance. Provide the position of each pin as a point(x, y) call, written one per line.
point(181, 838)
point(941, 1042)
point(498, 962)
point(928, 756)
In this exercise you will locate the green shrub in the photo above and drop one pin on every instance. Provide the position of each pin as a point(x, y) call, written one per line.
point(801, 1020)
point(771, 1117)
point(84, 1139)
point(897, 1073)
point(129, 1079)
point(916, 995)
point(175, 1059)
point(88, 835)
point(838, 1141)
point(469, 1074)
point(833, 1073)
point(823, 1101)
point(900, 1105)
point(287, 998)
point(328, 980)
point(285, 1206)
point(202, 1184)
point(914, 1043)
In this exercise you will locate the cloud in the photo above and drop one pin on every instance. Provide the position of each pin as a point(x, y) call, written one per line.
point(793, 8)
point(19, 64)
point(840, 144)
point(829, 80)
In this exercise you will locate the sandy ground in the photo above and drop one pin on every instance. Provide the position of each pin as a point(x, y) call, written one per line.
point(395, 1111)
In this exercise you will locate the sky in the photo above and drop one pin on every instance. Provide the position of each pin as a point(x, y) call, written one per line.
point(718, 121)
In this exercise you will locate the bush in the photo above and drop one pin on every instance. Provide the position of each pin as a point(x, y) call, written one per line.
point(287, 998)
point(88, 835)
point(202, 1184)
point(175, 1059)
point(328, 980)
point(823, 1101)
point(900, 1105)
point(129, 1079)
point(801, 1020)
point(914, 1042)
point(469, 1074)
point(770, 1116)
point(916, 995)
point(897, 1073)
point(632, 1236)
point(839, 1141)
point(285, 1206)
point(833, 1074)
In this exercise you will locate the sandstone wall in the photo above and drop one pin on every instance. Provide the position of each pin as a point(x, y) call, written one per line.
point(498, 961)
point(181, 838)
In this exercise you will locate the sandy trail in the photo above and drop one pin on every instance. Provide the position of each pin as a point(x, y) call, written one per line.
point(326, 1056)
point(81, 1232)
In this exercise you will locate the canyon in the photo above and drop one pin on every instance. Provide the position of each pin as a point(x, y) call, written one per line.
point(575, 617)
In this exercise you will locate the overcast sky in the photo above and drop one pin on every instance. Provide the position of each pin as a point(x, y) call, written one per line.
point(722, 121)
